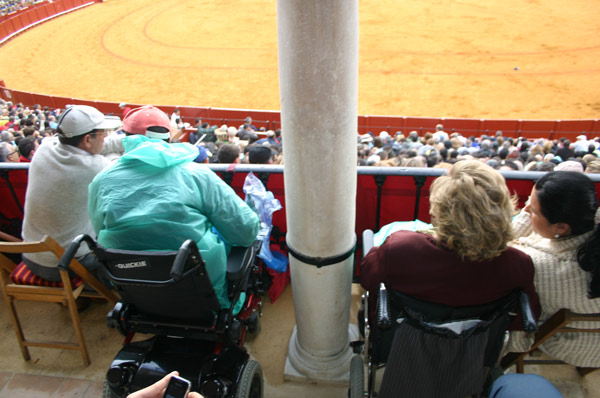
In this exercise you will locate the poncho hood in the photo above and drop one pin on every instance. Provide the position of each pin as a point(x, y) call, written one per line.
point(157, 153)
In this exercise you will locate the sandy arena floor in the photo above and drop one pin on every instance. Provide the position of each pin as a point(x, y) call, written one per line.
point(526, 59)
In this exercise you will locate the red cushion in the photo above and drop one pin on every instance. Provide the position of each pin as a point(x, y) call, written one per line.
point(23, 276)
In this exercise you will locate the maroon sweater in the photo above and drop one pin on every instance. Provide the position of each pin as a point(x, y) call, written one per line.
point(419, 266)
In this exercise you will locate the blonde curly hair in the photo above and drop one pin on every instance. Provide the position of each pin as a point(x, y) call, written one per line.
point(471, 210)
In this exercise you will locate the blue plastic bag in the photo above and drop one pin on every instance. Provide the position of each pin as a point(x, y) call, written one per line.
point(264, 204)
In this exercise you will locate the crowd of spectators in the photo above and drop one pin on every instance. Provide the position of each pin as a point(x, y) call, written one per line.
point(432, 149)
point(22, 128)
point(238, 144)
point(248, 144)
point(10, 6)
point(440, 149)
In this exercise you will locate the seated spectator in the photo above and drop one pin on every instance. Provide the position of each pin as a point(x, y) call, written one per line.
point(546, 166)
point(508, 165)
point(27, 148)
point(467, 260)
point(177, 128)
point(228, 153)
point(580, 146)
point(270, 140)
point(565, 152)
point(9, 153)
point(155, 197)
point(206, 131)
point(416, 161)
point(588, 157)
point(570, 165)
point(231, 134)
point(559, 229)
point(248, 121)
point(260, 154)
point(593, 167)
point(203, 155)
point(57, 194)
point(246, 133)
point(440, 135)
point(7, 136)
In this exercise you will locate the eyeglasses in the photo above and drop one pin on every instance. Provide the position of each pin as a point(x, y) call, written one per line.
point(12, 153)
point(103, 133)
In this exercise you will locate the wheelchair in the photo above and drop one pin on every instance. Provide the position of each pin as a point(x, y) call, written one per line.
point(168, 294)
point(429, 349)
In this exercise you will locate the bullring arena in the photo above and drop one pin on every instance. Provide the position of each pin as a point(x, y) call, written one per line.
point(516, 60)
point(512, 59)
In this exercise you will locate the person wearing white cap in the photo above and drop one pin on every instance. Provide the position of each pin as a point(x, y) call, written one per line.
point(57, 189)
point(581, 145)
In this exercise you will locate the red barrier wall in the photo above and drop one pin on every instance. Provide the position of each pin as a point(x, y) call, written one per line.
point(28, 17)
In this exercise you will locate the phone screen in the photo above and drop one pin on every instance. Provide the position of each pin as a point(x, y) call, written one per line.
point(178, 388)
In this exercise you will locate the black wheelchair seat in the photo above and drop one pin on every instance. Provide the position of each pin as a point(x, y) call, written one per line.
point(430, 349)
point(168, 294)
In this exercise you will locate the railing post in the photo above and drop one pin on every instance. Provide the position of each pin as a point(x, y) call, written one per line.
point(379, 181)
point(227, 176)
point(4, 174)
point(264, 178)
point(419, 182)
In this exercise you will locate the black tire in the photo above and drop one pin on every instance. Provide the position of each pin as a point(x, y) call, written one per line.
point(251, 381)
point(107, 392)
point(357, 377)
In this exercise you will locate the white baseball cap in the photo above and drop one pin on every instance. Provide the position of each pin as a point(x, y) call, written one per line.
point(81, 119)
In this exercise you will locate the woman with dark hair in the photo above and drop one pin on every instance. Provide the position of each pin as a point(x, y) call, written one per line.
point(559, 229)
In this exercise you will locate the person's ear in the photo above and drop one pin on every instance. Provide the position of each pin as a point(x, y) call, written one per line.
point(86, 143)
point(561, 229)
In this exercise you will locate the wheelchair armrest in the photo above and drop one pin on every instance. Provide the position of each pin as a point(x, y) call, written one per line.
point(383, 313)
point(368, 241)
point(239, 261)
point(71, 250)
point(529, 323)
point(188, 247)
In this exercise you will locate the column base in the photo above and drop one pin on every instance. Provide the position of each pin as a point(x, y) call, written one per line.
point(301, 366)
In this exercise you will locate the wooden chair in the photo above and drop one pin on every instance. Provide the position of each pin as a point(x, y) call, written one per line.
point(18, 283)
point(557, 323)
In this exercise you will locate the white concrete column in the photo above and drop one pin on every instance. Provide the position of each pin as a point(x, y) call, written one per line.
point(318, 78)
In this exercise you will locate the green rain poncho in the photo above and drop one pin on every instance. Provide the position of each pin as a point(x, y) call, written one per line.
point(155, 197)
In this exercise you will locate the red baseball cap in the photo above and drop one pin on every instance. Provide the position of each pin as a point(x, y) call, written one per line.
point(139, 120)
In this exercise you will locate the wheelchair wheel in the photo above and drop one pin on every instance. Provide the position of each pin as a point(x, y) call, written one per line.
point(254, 323)
point(107, 392)
point(251, 381)
point(357, 377)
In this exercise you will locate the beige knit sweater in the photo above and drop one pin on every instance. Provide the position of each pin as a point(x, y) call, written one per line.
point(560, 283)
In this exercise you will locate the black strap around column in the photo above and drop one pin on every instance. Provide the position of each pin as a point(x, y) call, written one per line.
point(322, 261)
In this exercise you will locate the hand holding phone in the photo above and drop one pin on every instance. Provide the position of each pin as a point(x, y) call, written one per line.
point(178, 387)
point(156, 390)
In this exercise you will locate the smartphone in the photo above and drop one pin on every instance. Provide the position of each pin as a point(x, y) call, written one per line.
point(178, 388)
